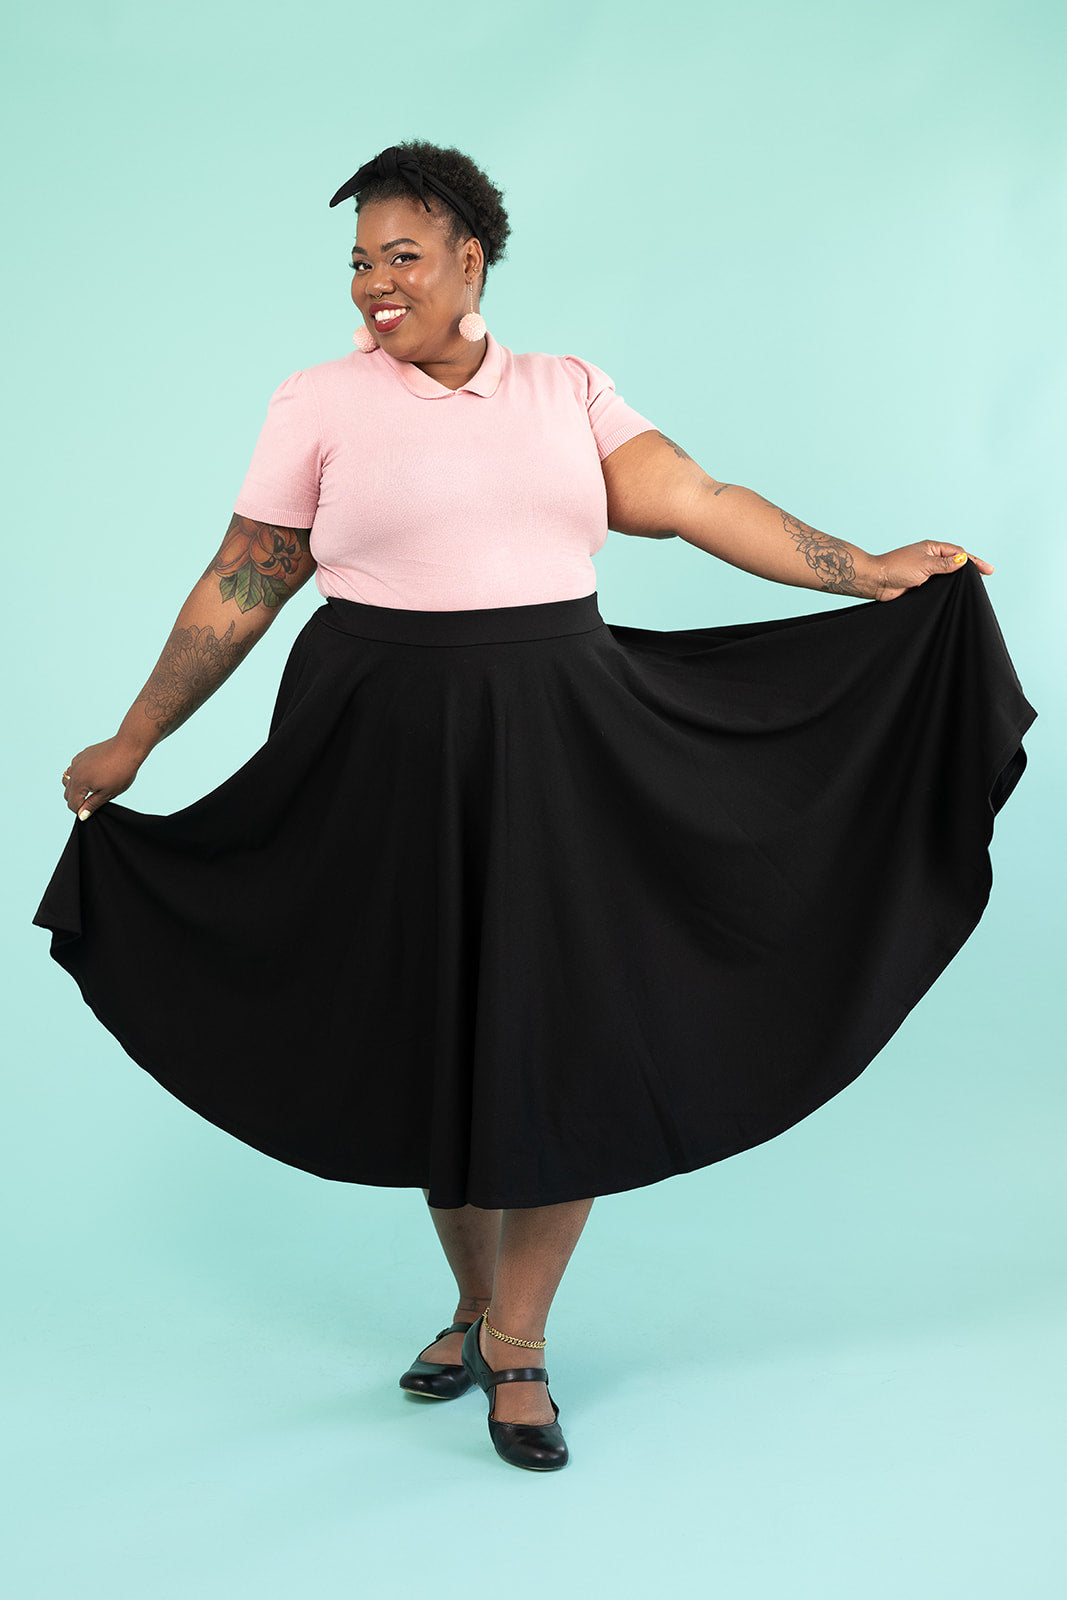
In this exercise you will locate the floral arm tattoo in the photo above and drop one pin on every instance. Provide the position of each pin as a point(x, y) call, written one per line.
point(257, 561)
point(829, 558)
point(259, 565)
point(193, 664)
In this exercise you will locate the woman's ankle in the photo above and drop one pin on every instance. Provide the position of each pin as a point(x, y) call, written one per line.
point(469, 1307)
point(525, 1348)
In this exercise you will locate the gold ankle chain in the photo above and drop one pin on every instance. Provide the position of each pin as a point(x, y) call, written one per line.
point(531, 1344)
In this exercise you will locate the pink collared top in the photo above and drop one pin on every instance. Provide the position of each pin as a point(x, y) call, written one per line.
point(436, 499)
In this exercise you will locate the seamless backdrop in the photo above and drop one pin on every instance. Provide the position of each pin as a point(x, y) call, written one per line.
point(822, 246)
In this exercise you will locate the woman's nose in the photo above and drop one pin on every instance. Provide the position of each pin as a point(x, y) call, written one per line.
point(380, 285)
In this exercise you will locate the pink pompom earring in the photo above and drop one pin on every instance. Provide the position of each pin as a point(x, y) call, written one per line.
point(472, 326)
point(364, 340)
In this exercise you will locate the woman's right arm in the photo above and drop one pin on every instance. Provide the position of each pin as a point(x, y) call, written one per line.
point(256, 569)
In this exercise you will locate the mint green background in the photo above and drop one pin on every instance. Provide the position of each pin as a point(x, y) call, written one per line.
point(830, 1367)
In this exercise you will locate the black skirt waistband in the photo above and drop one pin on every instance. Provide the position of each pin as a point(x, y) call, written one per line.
point(547, 619)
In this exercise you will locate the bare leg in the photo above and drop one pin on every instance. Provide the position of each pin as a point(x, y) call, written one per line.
point(469, 1237)
point(536, 1243)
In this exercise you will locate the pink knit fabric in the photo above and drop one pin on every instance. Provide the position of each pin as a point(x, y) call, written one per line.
point(490, 496)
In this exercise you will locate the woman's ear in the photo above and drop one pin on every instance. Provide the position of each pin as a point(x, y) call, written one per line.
point(474, 264)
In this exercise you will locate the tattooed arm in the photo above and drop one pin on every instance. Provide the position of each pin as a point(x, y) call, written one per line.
point(257, 568)
point(656, 490)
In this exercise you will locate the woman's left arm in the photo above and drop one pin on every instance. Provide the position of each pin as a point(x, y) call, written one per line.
point(656, 490)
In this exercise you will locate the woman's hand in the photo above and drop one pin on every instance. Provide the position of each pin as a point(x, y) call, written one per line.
point(102, 770)
point(912, 564)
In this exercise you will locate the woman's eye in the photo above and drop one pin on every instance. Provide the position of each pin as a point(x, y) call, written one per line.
point(405, 255)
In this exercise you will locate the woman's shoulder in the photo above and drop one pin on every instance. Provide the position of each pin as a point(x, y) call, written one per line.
point(346, 369)
point(583, 377)
point(570, 377)
point(325, 385)
point(552, 359)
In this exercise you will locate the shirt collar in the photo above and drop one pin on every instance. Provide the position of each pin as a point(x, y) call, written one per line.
point(485, 381)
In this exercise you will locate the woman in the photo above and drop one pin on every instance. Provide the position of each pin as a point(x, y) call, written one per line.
point(514, 905)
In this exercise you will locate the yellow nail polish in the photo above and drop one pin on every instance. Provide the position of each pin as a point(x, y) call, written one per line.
point(84, 813)
point(961, 556)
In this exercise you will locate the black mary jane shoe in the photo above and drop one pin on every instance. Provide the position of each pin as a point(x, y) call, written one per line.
point(439, 1380)
point(538, 1446)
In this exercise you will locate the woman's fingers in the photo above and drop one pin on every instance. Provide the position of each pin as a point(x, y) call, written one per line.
point(78, 799)
point(76, 792)
point(911, 565)
point(953, 555)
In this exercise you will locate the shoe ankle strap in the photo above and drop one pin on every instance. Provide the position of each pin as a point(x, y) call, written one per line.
point(521, 1375)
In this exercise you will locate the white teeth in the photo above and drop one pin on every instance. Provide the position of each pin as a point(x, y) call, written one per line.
point(388, 316)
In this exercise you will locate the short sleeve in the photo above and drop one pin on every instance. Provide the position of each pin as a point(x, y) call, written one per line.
point(282, 481)
point(613, 422)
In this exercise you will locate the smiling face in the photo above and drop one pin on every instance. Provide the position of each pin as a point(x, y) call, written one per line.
point(405, 269)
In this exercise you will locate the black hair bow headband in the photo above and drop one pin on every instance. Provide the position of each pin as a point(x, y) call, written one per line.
point(394, 163)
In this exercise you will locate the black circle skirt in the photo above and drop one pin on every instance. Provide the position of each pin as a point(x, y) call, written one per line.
point(519, 906)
